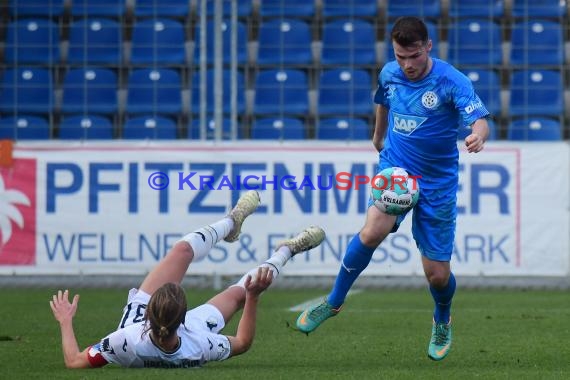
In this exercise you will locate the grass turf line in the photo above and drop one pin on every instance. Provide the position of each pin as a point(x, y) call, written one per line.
point(379, 334)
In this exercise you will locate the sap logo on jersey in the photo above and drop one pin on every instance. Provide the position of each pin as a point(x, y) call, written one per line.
point(18, 210)
point(406, 124)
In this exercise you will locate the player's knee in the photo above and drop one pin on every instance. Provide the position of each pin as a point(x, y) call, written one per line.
point(197, 244)
point(371, 237)
point(438, 278)
point(182, 247)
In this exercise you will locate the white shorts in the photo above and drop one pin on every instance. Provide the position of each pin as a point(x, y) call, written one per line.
point(204, 317)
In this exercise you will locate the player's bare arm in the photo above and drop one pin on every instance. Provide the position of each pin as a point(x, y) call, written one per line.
point(479, 133)
point(64, 311)
point(380, 127)
point(246, 327)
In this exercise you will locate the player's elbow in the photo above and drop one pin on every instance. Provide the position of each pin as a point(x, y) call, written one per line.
point(76, 363)
point(241, 345)
point(70, 364)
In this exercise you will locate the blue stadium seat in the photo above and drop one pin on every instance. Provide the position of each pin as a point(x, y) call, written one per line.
point(95, 41)
point(535, 129)
point(343, 129)
point(149, 127)
point(90, 90)
point(419, 8)
point(432, 33)
point(537, 42)
point(194, 129)
point(226, 91)
point(158, 8)
point(226, 41)
point(343, 8)
point(348, 41)
point(476, 8)
point(154, 91)
point(464, 131)
point(33, 8)
point(284, 41)
point(24, 127)
point(287, 8)
point(276, 128)
point(98, 8)
point(27, 90)
point(281, 91)
point(475, 42)
point(539, 8)
point(158, 41)
point(32, 41)
point(345, 92)
point(244, 8)
point(536, 92)
point(488, 86)
point(86, 127)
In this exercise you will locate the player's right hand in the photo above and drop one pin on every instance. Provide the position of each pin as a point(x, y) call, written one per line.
point(474, 143)
point(62, 309)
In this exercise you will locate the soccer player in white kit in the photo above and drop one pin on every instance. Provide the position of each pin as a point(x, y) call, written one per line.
point(158, 331)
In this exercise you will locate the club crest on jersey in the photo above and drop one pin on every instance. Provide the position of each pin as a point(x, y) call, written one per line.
point(406, 124)
point(430, 100)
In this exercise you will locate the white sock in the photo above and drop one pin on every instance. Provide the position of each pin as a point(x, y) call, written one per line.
point(205, 238)
point(275, 263)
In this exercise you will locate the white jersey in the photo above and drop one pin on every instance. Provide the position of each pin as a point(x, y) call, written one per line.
point(200, 341)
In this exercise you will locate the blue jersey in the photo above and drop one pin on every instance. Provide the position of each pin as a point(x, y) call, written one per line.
point(423, 121)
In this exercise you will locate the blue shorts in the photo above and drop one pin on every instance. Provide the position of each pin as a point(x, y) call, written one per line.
point(433, 221)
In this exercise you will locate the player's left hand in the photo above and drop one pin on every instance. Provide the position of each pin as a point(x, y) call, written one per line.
point(62, 309)
point(474, 143)
point(262, 280)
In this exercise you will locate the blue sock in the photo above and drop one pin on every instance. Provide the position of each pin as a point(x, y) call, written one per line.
point(356, 258)
point(442, 299)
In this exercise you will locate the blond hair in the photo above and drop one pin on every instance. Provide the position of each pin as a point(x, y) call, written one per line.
point(165, 311)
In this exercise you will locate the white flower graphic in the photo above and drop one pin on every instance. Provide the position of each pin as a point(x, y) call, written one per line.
point(9, 212)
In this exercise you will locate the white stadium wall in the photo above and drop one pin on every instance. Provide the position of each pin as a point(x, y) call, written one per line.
point(90, 209)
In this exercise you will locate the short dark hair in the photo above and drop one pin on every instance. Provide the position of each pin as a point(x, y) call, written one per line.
point(408, 30)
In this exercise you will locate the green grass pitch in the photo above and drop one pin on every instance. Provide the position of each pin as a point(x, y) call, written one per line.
point(498, 334)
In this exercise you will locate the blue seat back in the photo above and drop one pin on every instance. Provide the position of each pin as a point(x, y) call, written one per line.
point(154, 90)
point(150, 127)
point(286, 128)
point(475, 42)
point(158, 41)
point(95, 41)
point(24, 127)
point(281, 91)
point(32, 41)
point(345, 92)
point(535, 129)
point(86, 127)
point(536, 92)
point(284, 41)
point(343, 129)
point(90, 90)
point(348, 41)
point(27, 90)
point(537, 42)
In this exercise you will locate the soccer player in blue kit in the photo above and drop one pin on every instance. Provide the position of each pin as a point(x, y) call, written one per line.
point(420, 100)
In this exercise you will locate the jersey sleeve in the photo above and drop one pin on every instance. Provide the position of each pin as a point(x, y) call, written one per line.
point(380, 96)
point(95, 357)
point(115, 348)
point(219, 347)
point(467, 102)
